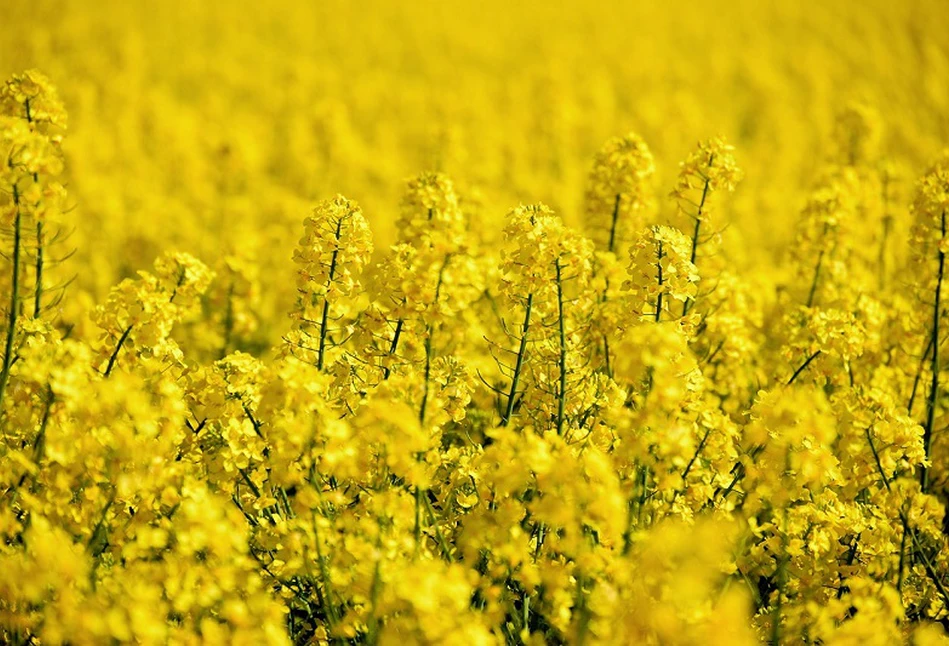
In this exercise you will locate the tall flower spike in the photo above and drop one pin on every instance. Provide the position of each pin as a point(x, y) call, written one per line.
point(533, 239)
point(28, 191)
point(709, 170)
point(660, 272)
point(139, 314)
point(540, 256)
point(858, 131)
point(331, 255)
point(618, 196)
point(32, 97)
point(419, 288)
point(430, 217)
point(930, 244)
point(825, 234)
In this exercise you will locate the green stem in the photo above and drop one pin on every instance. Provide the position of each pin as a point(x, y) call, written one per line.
point(519, 364)
point(695, 456)
point(426, 375)
point(643, 493)
point(38, 295)
point(909, 531)
point(418, 520)
point(606, 355)
point(228, 321)
point(882, 255)
point(39, 443)
point(115, 353)
point(583, 623)
point(659, 277)
point(886, 483)
point(562, 389)
point(331, 616)
point(392, 348)
point(612, 245)
point(934, 366)
point(813, 291)
point(439, 537)
point(14, 298)
point(628, 533)
point(919, 376)
point(372, 625)
point(326, 304)
point(779, 576)
point(695, 234)
point(803, 367)
point(902, 564)
point(98, 539)
point(429, 333)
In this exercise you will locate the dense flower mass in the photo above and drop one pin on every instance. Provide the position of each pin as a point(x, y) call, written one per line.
point(577, 379)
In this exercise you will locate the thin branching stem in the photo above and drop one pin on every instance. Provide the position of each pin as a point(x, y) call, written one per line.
point(909, 531)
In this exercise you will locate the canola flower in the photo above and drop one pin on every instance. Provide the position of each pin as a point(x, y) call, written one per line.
point(614, 413)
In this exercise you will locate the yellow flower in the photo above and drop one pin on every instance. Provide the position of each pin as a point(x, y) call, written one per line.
point(32, 97)
point(618, 197)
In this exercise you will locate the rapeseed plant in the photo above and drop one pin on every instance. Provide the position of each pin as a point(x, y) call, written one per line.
point(607, 417)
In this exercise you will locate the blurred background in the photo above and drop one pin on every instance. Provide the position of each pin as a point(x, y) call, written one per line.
point(214, 127)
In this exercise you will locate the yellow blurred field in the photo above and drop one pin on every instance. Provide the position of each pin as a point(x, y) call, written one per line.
point(210, 125)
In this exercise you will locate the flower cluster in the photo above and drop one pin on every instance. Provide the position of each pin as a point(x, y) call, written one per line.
point(618, 197)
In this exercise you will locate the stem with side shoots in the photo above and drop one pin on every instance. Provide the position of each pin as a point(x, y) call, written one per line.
point(908, 531)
